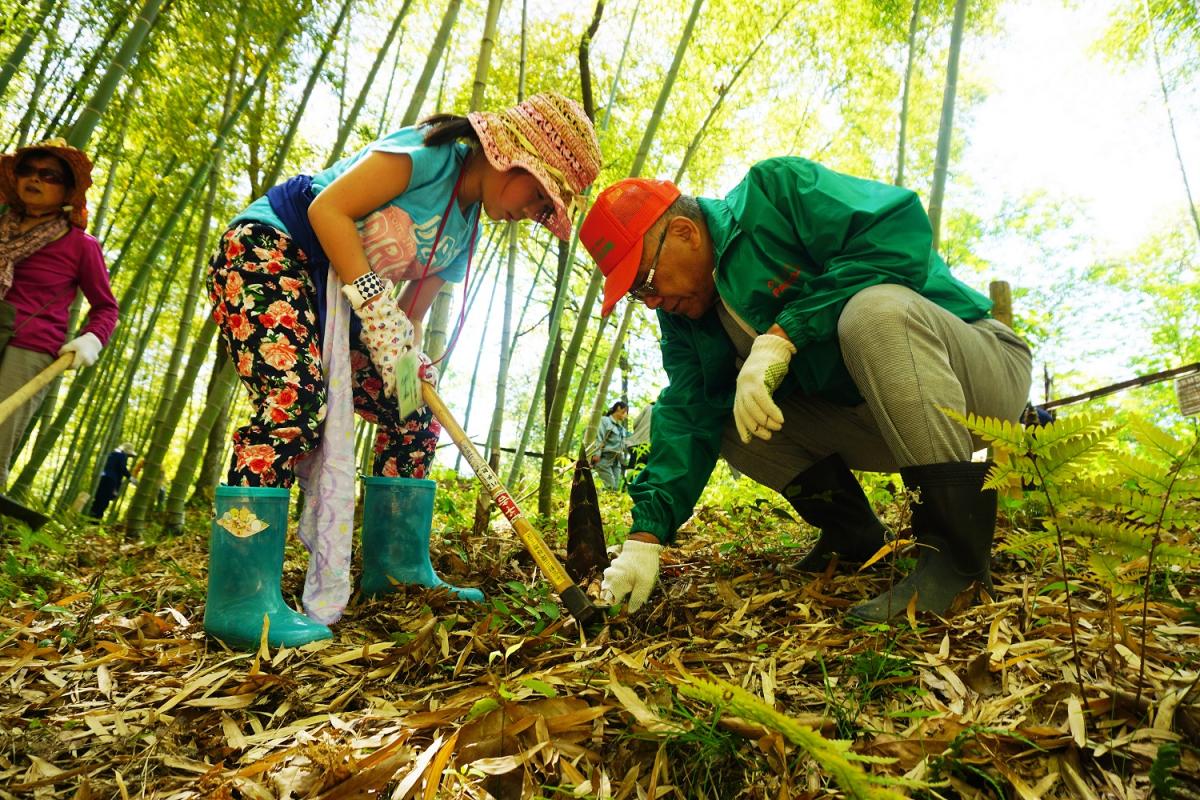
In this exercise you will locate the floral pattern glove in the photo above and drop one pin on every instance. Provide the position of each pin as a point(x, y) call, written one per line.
point(386, 331)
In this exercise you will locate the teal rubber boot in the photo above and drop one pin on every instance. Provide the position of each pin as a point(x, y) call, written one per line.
point(397, 518)
point(245, 567)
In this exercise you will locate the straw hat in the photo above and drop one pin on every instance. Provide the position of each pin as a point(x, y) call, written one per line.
point(550, 137)
point(75, 159)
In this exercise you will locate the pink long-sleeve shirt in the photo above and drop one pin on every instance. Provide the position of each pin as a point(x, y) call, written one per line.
point(44, 286)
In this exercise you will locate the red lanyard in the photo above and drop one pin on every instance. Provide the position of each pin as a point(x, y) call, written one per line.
point(433, 251)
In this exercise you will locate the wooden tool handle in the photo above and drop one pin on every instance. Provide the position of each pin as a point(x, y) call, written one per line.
point(528, 535)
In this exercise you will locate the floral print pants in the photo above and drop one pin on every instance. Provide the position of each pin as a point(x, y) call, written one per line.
point(263, 304)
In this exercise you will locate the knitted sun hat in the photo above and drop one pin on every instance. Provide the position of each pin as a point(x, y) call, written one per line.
point(75, 159)
point(550, 137)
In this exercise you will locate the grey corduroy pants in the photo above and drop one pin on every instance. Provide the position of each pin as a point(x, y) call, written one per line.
point(18, 366)
point(909, 357)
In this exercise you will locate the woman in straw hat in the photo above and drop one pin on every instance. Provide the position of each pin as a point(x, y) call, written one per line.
point(45, 258)
point(303, 289)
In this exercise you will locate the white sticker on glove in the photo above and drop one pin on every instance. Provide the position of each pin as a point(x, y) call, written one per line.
point(408, 383)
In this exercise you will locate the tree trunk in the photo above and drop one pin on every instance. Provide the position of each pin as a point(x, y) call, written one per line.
point(599, 403)
point(483, 338)
point(664, 93)
point(496, 428)
point(176, 390)
point(39, 79)
point(81, 131)
point(723, 92)
point(946, 127)
point(439, 316)
point(215, 443)
point(483, 502)
point(67, 106)
point(582, 390)
point(431, 62)
point(104, 425)
point(1162, 85)
point(352, 117)
point(386, 108)
point(484, 63)
point(639, 160)
point(904, 95)
point(285, 146)
point(152, 470)
point(13, 62)
point(114, 161)
point(220, 392)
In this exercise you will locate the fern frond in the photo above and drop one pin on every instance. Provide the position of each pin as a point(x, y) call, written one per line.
point(1130, 539)
point(1067, 428)
point(1186, 488)
point(1075, 452)
point(1152, 436)
point(1143, 471)
point(1176, 555)
point(1001, 433)
point(1108, 569)
point(1006, 478)
point(1149, 507)
point(1028, 541)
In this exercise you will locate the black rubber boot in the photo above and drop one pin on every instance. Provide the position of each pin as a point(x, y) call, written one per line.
point(829, 497)
point(953, 523)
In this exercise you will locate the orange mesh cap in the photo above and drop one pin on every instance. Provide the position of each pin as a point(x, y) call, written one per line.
point(614, 227)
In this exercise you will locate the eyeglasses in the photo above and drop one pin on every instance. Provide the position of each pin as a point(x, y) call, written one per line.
point(47, 175)
point(639, 293)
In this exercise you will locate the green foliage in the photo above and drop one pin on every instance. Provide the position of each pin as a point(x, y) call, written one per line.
point(957, 760)
point(528, 607)
point(710, 761)
point(1165, 761)
point(834, 756)
point(1132, 503)
point(864, 678)
point(32, 566)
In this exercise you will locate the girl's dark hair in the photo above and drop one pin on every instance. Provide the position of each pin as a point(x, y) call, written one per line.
point(446, 128)
point(66, 168)
point(616, 406)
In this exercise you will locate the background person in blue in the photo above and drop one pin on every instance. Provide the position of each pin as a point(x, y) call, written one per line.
point(116, 470)
point(302, 287)
point(610, 444)
point(808, 328)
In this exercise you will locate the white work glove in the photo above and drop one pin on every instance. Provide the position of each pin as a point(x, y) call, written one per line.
point(754, 412)
point(386, 331)
point(633, 572)
point(86, 349)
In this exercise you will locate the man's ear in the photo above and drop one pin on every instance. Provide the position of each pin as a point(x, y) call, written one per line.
point(687, 230)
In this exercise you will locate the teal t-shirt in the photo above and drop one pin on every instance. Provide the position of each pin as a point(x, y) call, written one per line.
point(399, 235)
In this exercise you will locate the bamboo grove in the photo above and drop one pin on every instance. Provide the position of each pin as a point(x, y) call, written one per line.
point(190, 109)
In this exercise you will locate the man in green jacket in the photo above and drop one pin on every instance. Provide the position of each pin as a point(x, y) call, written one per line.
point(809, 328)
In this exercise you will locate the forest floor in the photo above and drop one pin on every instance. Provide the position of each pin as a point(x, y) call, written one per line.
point(109, 688)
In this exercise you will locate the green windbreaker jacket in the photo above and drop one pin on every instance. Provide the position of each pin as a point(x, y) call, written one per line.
point(792, 243)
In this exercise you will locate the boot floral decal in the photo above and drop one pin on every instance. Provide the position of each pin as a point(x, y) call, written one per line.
point(241, 522)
